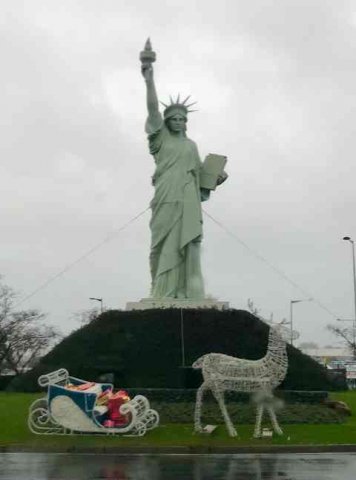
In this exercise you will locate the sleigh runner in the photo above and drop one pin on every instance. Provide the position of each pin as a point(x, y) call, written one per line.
point(74, 406)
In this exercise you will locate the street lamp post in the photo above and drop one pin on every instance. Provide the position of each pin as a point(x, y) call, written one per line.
point(292, 302)
point(349, 239)
point(101, 303)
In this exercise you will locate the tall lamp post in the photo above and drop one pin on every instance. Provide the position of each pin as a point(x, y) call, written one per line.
point(101, 303)
point(349, 239)
point(292, 302)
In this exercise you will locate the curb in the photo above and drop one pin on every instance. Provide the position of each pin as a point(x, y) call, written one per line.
point(185, 450)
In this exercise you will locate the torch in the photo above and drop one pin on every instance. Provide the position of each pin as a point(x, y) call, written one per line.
point(147, 56)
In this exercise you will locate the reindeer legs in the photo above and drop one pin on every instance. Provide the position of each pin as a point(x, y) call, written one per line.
point(198, 405)
point(262, 403)
point(220, 399)
point(274, 421)
point(259, 416)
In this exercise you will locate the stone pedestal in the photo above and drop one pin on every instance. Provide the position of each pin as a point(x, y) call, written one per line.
point(150, 303)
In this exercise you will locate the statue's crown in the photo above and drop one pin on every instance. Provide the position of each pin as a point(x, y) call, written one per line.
point(177, 107)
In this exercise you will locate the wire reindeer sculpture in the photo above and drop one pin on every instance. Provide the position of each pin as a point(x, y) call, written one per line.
point(226, 373)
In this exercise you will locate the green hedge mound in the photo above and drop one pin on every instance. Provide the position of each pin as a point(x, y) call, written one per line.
point(143, 349)
point(244, 413)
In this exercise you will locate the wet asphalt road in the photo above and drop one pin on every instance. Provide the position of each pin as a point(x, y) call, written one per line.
point(38, 466)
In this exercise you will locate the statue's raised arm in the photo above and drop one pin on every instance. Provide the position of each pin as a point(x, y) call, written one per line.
point(147, 57)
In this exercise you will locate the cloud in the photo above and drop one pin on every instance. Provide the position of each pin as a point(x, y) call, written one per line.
point(274, 81)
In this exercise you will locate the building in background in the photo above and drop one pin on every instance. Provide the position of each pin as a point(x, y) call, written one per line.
point(335, 359)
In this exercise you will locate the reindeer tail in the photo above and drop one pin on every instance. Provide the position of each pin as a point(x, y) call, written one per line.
point(198, 363)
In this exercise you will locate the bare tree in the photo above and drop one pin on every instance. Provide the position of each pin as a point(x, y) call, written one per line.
point(346, 335)
point(308, 346)
point(256, 312)
point(86, 316)
point(24, 337)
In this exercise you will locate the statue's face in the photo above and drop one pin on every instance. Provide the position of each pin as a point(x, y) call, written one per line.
point(177, 123)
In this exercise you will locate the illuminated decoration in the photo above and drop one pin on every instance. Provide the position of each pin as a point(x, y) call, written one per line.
point(225, 373)
point(74, 407)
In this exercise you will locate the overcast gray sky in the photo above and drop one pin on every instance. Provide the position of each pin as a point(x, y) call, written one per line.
point(275, 84)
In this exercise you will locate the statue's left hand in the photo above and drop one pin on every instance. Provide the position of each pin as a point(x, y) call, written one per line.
point(222, 178)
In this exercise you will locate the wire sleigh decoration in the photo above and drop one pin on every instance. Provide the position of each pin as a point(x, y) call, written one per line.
point(260, 377)
point(74, 412)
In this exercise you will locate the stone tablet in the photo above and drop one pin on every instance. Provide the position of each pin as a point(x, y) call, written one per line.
point(212, 169)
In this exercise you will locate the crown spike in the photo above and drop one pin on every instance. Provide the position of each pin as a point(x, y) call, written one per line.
point(191, 104)
point(162, 103)
point(178, 98)
point(188, 97)
point(190, 111)
point(171, 99)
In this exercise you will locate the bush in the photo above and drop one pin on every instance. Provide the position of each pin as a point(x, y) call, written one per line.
point(5, 381)
point(143, 349)
point(170, 395)
point(245, 413)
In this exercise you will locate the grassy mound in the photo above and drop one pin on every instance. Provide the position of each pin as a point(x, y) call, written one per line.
point(144, 349)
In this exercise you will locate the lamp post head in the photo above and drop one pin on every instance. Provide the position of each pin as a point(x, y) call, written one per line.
point(302, 300)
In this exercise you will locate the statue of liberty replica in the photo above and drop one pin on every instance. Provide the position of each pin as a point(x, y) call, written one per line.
point(181, 182)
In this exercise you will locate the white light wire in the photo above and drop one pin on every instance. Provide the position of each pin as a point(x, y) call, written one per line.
point(112, 234)
point(109, 237)
point(270, 265)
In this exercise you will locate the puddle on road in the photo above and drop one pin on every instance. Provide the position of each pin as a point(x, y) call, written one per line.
point(41, 466)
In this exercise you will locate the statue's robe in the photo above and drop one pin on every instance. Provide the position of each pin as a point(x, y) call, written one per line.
point(176, 223)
